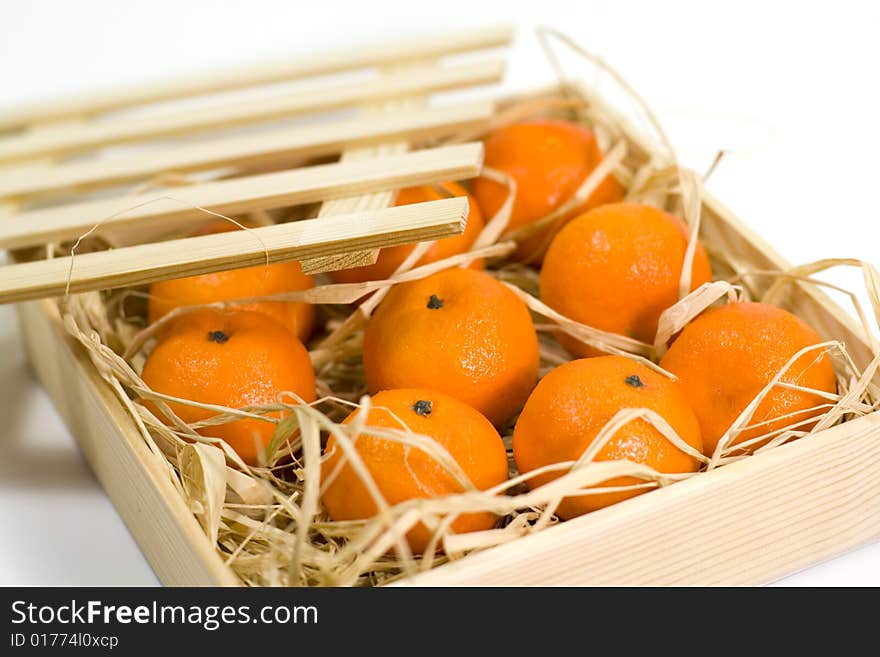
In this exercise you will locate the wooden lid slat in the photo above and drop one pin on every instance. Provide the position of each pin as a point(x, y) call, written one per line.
point(270, 147)
point(270, 167)
point(85, 136)
point(145, 263)
point(426, 47)
point(239, 195)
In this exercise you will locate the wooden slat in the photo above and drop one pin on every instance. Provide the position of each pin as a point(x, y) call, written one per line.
point(267, 148)
point(338, 261)
point(79, 137)
point(145, 263)
point(236, 77)
point(239, 195)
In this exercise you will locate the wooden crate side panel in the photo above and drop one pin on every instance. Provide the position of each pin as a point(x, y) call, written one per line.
point(748, 523)
point(168, 534)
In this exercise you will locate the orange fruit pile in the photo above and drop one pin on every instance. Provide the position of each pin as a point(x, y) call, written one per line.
point(455, 354)
point(402, 473)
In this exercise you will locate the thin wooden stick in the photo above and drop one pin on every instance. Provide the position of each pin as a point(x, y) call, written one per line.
point(266, 73)
point(271, 147)
point(239, 195)
point(145, 263)
point(80, 137)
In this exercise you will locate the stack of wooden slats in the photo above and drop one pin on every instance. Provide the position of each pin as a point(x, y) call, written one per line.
point(344, 130)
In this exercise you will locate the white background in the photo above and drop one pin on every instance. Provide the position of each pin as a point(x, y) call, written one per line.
point(790, 88)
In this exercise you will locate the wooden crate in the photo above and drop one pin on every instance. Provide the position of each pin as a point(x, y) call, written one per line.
point(749, 522)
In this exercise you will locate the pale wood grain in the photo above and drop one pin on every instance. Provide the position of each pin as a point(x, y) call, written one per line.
point(427, 47)
point(337, 261)
point(80, 137)
point(749, 522)
point(145, 263)
point(376, 200)
point(134, 478)
point(239, 195)
point(274, 147)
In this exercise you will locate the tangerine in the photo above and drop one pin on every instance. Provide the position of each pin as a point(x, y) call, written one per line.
point(232, 359)
point(390, 258)
point(549, 160)
point(617, 268)
point(460, 332)
point(402, 473)
point(571, 405)
point(727, 355)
